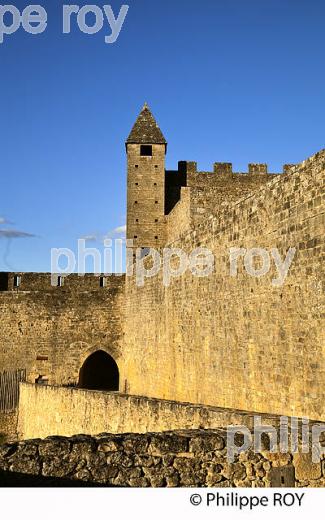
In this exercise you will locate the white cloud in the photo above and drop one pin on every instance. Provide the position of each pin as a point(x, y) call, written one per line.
point(120, 230)
point(89, 238)
point(116, 233)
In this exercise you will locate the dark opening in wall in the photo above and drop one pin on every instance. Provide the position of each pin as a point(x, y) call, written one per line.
point(136, 166)
point(102, 281)
point(137, 184)
point(41, 380)
point(17, 281)
point(4, 281)
point(137, 220)
point(146, 150)
point(282, 477)
point(99, 372)
point(60, 281)
point(156, 220)
point(156, 201)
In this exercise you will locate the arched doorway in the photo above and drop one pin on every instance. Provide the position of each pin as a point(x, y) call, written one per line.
point(99, 372)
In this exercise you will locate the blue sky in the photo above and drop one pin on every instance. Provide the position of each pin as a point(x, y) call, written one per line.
point(228, 80)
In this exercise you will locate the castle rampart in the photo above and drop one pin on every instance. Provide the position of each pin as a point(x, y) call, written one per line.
point(26, 282)
point(240, 342)
point(50, 330)
point(210, 192)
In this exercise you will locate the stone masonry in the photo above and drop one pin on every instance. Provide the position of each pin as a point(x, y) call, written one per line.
point(171, 459)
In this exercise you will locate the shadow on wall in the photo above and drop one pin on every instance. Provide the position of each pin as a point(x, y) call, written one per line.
point(13, 479)
point(99, 372)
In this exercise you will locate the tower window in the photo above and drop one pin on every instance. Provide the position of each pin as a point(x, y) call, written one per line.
point(136, 166)
point(156, 220)
point(137, 184)
point(17, 281)
point(59, 281)
point(155, 184)
point(135, 202)
point(156, 238)
point(156, 165)
point(156, 201)
point(102, 281)
point(146, 150)
point(137, 220)
point(135, 236)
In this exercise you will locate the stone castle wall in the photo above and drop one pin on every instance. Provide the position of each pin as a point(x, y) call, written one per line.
point(50, 331)
point(169, 459)
point(240, 342)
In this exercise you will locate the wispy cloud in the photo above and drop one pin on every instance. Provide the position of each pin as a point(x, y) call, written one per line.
point(9, 234)
point(120, 229)
point(14, 233)
point(116, 233)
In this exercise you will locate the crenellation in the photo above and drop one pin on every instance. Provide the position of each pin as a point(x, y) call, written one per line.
point(288, 167)
point(187, 167)
point(222, 168)
point(22, 282)
point(257, 168)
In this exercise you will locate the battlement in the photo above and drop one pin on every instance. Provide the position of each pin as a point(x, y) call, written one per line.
point(210, 190)
point(20, 282)
point(226, 168)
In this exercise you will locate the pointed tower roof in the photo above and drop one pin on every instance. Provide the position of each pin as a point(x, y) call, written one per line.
point(146, 129)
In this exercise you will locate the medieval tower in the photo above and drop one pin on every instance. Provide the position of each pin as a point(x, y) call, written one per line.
point(146, 150)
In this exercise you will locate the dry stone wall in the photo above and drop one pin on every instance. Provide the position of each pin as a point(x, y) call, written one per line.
point(170, 459)
point(8, 425)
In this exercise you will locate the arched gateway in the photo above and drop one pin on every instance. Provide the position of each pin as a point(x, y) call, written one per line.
point(99, 372)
